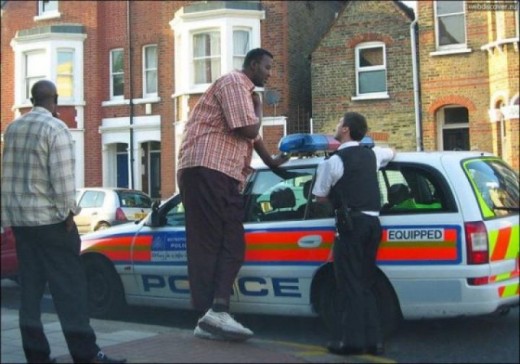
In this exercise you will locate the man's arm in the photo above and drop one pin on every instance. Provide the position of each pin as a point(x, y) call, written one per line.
point(251, 131)
point(262, 152)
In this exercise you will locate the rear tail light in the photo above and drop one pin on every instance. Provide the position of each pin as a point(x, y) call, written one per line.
point(477, 248)
point(120, 215)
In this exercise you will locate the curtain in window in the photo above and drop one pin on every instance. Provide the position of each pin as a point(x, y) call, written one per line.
point(240, 47)
point(151, 69)
point(206, 57)
point(35, 70)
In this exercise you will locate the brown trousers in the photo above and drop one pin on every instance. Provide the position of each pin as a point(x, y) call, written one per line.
point(214, 233)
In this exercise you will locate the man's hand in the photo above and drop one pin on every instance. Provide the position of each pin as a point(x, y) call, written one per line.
point(257, 104)
point(279, 159)
point(69, 222)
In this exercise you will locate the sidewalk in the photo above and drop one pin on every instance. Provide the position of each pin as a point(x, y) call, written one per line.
point(140, 343)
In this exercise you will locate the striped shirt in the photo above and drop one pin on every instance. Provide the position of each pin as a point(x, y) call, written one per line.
point(209, 140)
point(38, 184)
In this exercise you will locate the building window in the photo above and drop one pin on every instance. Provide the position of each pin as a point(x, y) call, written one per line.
point(206, 57)
point(65, 74)
point(150, 70)
point(117, 75)
point(35, 70)
point(212, 39)
point(241, 45)
point(454, 122)
point(450, 24)
point(371, 69)
point(48, 7)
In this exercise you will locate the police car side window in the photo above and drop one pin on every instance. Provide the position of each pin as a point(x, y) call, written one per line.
point(411, 190)
point(278, 196)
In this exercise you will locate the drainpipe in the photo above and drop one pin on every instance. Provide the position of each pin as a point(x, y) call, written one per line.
point(131, 145)
point(416, 98)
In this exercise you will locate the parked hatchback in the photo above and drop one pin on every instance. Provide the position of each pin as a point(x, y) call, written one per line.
point(105, 207)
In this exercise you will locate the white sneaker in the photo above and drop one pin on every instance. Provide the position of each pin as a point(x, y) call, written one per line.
point(202, 334)
point(221, 323)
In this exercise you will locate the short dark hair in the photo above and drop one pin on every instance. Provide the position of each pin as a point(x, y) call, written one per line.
point(255, 55)
point(356, 123)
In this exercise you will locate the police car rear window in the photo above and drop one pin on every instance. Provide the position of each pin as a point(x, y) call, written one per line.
point(495, 184)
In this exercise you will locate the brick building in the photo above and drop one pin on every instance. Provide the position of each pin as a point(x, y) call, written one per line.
point(129, 72)
point(469, 76)
point(364, 63)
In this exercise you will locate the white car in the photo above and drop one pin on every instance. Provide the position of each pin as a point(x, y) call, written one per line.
point(449, 245)
point(102, 208)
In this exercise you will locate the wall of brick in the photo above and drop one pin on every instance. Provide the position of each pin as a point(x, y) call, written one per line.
point(479, 80)
point(334, 77)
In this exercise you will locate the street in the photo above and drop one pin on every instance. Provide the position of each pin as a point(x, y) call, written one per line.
point(483, 339)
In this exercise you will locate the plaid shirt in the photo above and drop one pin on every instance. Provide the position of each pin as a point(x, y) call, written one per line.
point(209, 140)
point(38, 185)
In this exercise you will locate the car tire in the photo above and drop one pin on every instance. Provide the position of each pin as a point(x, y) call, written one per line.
point(329, 304)
point(106, 297)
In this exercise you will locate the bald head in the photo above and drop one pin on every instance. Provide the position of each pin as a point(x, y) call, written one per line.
point(44, 94)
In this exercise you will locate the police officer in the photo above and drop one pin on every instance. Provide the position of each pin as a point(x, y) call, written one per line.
point(349, 181)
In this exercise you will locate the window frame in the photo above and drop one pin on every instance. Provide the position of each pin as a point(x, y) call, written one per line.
point(442, 126)
point(184, 25)
point(449, 47)
point(205, 58)
point(359, 69)
point(50, 44)
point(112, 74)
point(62, 95)
point(47, 14)
point(146, 71)
point(28, 81)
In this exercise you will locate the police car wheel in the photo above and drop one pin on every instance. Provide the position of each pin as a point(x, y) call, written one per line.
point(105, 291)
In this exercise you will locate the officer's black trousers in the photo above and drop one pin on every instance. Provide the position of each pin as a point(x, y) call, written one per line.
point(355, 269)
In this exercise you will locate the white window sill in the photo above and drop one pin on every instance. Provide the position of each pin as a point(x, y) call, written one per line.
point(147, 100)
point(47, 16)
point(115, 102)
point(450, 51)
point(378, 96)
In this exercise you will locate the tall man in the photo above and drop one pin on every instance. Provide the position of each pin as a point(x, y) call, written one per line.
point(214, 161)
point(349, 180)
point(38, 201)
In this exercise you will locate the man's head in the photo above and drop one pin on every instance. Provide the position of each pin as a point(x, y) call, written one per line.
point(44, 94)
point(257, 66)
point(352, 126)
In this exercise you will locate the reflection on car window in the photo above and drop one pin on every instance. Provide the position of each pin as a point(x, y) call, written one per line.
point(410, 190)
point(174, 216)
point(284, 196)
point(132, 199)
point(92, 199)
point(496, 186)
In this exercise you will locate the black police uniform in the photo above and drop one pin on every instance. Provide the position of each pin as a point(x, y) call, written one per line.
point(355, 251)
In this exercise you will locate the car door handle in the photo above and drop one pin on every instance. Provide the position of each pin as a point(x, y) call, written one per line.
point(94, 214)
point(310, 241)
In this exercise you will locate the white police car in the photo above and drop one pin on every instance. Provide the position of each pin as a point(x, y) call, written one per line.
point(449, 245)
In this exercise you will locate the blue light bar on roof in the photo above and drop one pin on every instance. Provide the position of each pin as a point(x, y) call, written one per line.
point(308, 143)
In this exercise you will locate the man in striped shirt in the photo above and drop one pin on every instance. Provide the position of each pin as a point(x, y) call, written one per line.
point(38, 202)
point(214, 162)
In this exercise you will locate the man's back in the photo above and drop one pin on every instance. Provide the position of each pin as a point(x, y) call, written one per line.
point(37, 169)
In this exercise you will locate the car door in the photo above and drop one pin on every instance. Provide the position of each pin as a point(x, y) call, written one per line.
point(283, 247)
point(422, 237)
point(159, 258)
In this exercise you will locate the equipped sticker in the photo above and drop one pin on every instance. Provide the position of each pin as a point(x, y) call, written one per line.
point(415, 234)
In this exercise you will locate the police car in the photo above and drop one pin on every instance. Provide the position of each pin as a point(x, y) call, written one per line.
point(449, 245)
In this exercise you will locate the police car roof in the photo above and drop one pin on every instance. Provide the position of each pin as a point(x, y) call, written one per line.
point(429, 158)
